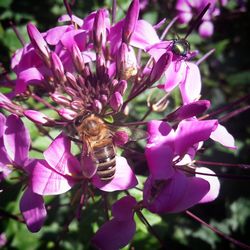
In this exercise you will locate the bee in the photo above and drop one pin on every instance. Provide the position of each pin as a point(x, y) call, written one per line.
point(97, 136)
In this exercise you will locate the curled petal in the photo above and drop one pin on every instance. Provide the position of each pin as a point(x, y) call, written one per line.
point(222, 136)
point(33, 210)
point(213, 182)
point(114, 234)
point(124, 178)
point(16, 140)
point(46, 181)
point(189, 110)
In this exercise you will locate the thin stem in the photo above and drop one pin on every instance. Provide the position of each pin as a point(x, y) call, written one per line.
point(234, 113)
point(222, 164)
point(169, 26)
point(113, 17)
point(150, 228)
point(47, 104)
point(228, 106)
point(5, 214)
point(217, 231)
point(106, 205)
point(19, 36)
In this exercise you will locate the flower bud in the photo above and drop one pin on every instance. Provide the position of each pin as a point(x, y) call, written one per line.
point(77, 58)
point(116, 101)
point(38, 117)
point(39, 43)
point(57, 68)
point(99, 29)
point(68, 114)
point(160, 67)
point(130, 21)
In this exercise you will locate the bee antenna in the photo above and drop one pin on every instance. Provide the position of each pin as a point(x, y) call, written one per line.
point(197, 20)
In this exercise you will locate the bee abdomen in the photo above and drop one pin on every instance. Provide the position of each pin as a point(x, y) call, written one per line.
point(104, 158)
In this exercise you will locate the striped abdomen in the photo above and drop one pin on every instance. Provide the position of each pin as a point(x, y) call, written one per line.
point(104, 157)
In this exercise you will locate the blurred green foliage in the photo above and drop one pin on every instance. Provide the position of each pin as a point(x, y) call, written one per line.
point(226, 76)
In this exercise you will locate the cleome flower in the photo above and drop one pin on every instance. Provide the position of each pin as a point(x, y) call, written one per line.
point(88, 72)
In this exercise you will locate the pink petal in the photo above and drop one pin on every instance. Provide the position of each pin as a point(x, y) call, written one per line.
point(67, 18)
point(33, 210)
point(59, 157)
point(124, 178)
point(114, 234)
point(55, 34)
point(46, 181)
point(189, 133)
point(212, 180)
point(175, 75)
point(222, 136)
point(191, 87)
point(144, 35)
point(16, 140)
point(123, 209)
point(160, 161)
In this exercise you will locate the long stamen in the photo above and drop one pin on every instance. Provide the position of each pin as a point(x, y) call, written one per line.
point(217, 231)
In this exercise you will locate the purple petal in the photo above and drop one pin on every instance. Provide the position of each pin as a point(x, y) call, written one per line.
point(191, 87)
point(46, 181)
point(124, 178)
point(160, 132)
point(189, 110)
point(177, 194)
point(222, 136)
point(189, 133)
point(160, 161)
point(123, 209)
point(213, 182)
point(16, 140)
point(59, 157)
point(114, 234)
point(28, 76)
point(33, 210)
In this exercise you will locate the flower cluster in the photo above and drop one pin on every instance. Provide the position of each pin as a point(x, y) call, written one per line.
point(95, 67)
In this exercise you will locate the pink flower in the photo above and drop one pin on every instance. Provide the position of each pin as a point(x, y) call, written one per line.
point(168, 189)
